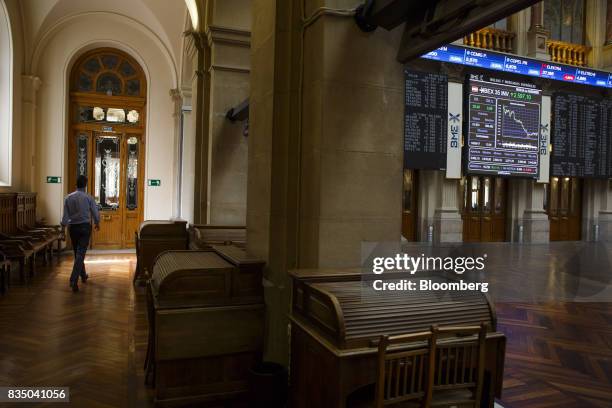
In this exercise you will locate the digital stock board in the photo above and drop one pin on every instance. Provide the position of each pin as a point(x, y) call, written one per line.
point(519, 65)
point(425, 123)
point(581, 136)
point(503, 127)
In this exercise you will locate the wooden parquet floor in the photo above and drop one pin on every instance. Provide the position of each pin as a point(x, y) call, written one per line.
point(92, 341)
point(558, 355)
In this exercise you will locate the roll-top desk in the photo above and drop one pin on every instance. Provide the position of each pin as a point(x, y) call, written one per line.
point(334, 327)
point(206, 319)
point(154, 237)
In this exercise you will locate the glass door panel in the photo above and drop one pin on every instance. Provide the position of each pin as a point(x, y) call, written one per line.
point(133, 147)
point(108, 190)
point(108, 172)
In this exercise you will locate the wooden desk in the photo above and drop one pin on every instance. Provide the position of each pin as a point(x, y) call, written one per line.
point(333, 325)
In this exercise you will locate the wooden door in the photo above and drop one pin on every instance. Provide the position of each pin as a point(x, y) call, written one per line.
point(563, 204)
point(107, 144)
point(409, 210)
point(113, 163)
point(134, 174)
point(107, 189)
point(484, 209)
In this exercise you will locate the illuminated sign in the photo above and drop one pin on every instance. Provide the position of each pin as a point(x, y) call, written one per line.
point(503, 128)
point(519, 65)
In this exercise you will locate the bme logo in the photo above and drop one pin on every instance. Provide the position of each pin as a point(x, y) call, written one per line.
point(454, 129)
point(474, 89)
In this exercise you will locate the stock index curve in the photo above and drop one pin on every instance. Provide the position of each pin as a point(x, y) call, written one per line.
point(503, 128)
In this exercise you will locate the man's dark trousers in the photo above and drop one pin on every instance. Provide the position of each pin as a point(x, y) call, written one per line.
point(79, 235)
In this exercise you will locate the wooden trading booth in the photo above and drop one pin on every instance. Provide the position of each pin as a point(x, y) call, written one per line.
point(335, 327)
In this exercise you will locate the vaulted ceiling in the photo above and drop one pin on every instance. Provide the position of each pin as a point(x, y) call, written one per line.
point(165, 18)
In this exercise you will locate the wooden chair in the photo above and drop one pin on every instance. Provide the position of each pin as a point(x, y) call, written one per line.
point(5, 272)
point(405, 375)
point(459, 366)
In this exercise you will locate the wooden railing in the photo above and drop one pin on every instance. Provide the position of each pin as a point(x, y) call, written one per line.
point(491, 39)
point(568, 53)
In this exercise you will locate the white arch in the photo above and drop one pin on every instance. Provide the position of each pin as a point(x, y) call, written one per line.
point(48, 35)
point(6, 98)
point(54, 61)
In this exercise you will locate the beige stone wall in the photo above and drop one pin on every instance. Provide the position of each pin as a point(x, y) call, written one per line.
point(352, 140)
point(229, 86)
point(220, 147)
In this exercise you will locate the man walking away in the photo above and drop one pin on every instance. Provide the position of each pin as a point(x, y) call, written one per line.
point(79, 208)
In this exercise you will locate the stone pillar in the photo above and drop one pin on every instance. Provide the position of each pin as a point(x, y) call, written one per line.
point(595, 31)
point(427, 200)
point(273, 148)
point(536, 227)
point(594, 193)
point(200, 172)
point(187, 156)
point(229, 72)
point(223, 43)
point(31, 84)
point(177, 98)
point(605, 214)
point(448, 224)
point(537, 34)
point(519, 24)
point(325, 145)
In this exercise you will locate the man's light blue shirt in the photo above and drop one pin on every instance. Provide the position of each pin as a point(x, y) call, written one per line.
point(79, 207)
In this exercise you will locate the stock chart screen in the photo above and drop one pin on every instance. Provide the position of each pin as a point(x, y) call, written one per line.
point(503, 127)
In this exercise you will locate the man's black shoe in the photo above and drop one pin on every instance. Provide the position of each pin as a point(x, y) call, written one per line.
point(75, 288)
point(84, 278)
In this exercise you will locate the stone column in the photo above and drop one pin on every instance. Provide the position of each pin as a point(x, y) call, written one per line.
point(605, 214)
point(537, 34)
point(594, 193)
point(519, 24)
point(187, 156)
point(536, 227)
point(229, 76)
point(31, 84)
point(448, 224)
point(177, 98)
point(595, 30)
point(200, 173)
point(325, 145)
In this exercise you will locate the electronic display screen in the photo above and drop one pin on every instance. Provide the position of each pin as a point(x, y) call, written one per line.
point(581, 136)
point(503, 127)
point(425, 122)
point(519, 65)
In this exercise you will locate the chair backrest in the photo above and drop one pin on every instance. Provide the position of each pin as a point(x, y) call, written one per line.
point(405, 373)
point(460, 359)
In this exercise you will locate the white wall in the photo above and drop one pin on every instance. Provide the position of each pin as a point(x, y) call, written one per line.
point(66, 42)
point(6, 93)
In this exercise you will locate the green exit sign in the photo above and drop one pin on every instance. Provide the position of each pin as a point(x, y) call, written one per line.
point(54, 179)
point(154, 182)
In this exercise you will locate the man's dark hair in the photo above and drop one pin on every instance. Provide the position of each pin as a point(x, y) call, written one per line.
point(81, 181)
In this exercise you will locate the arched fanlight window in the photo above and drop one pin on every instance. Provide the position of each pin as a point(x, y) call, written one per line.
point(108, 72)
point(6, 96)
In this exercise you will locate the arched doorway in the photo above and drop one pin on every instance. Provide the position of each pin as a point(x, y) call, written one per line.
point(107, 140)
